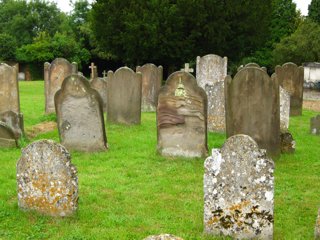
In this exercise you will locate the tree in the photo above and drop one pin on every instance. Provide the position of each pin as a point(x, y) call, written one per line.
point(314, 10)
point(8, 47)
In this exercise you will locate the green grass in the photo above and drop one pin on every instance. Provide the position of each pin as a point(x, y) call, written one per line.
point(130, 192)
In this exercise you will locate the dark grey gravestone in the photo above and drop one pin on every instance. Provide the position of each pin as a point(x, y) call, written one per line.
point(100, 85)
point(315, 125)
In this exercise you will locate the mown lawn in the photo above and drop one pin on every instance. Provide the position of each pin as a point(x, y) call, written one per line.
point(130, 192)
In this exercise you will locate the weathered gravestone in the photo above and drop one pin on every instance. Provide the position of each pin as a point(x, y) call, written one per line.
point(291, 78)
point(239, 190)
point(54, 74)
point(47, 181)
point(182, 117)
point(124, 96)
point(252, 108)
point(101, 85)
point(163, 237)
point(312, 75)
point(80, 115)
point(287, 143)
point(14, 120)
point(7, 136)
point(317, 228)
point(151, 83)
point(315, 125)
point(252, 65)
point(284, 109)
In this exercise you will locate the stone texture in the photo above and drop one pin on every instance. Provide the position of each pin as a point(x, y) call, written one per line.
point(7, 137)
point(100, 85)
point(13, 120)
point(252, 108)
point(284, 109)
point(315, 125)
point(182, 117)
point(54, 74)
point(287, 143)
point(291, 78)
point(163, 237)
point(239, 190)
point(252, 65)
point(317, 228)
point(80, 115)
point(151, 84)
point(47, 181)
point(124, 96)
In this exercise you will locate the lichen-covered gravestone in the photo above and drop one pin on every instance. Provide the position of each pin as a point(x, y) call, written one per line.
point(182, 117)
point(317, 228)
point(284, 109)
point(211, 72)
point(47, 181)
point(124, 96)
point(163, 237)
point(151, 83)
point(100, 84)
point(7, 136)
point(291, 78)
point(80, 115)
point(239, 190)
point(315, 125)
point(54, 74)
point(252, 108)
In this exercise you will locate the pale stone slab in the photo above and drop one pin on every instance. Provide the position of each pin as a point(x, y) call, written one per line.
point(239, 190)
point(80, 116)
point(7, 136)
point(317, 228)
point(101, 85)
point(315, 125)
point(124, 96)
point(47, 181)
point(182, 117)
point(284, 109)
point(151, 84)
point(163, 237)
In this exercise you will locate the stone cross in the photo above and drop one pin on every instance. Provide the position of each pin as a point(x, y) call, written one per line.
point(187, 68)
point(104, 73)
point(93, 70)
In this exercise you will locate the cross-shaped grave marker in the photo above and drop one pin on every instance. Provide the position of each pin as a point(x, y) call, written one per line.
point(187, 68)
point(104, 73)
point(93, 71)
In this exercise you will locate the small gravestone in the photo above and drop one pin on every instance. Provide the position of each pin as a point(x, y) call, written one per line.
point(163, 237)
point(252, 108)
point(317, 228)
point(284, 109)
point(100, 85)
point(80, 115)
point(287, 143)
point(291, 78)
point(315, 125)
point(124, 96)
point(239, 190)
point(151, 83)
point(15, 121)
point(182, 117)
point(7, 136)
point(54, 74)
point(47, 181)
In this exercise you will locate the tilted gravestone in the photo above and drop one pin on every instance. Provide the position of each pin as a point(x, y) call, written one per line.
point(47, 181)
point(80, 115)
point(7, 136)
point(317, 228)
point(124, 96)
point(54, 74)
point(291, 78)
point(182, 117)
point(211, 72)
point(101, 85)
point(239, 190)
point(14, 120)
point(284, 109)
point(151, 83)
point(252, 108)
point(315, 125)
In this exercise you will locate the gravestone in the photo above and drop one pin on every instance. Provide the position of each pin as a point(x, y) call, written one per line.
point(100, 85)
point(252, 108)
point(182, 117)
point(47, 181)
point(151, 83)
point(14, 121)
point(54, 74)
point(94, 71)
point(287, 143)
point(284, 109)
point(291, 78)
point(312, 75)
point(252, 65)
point(124, 96)
point(239, 190)
point(7, 137)
point(315, 125)
point(187, 68)
point(317, 228)
point(163, 237)
point(80, 115)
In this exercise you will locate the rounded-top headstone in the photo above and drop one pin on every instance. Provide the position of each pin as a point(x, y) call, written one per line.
point(47, 181)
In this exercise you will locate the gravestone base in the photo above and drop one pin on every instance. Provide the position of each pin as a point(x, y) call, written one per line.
point(8, 143)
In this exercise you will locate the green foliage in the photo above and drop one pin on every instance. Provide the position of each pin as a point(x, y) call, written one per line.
point(8, 47)
point(302, 46)
point(314, 10)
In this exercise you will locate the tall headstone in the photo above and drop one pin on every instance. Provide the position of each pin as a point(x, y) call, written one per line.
point(54, 74)
point(7, 136)
point(182, 117)
point(47, 181)
point(124, 96)
point(315, 125)
point(284, 109)
point(239, 190)
point(101, 85)
point(252, 107)
point(80, 115)
point(317, 228)
point(151, 83)
point(291, 78)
